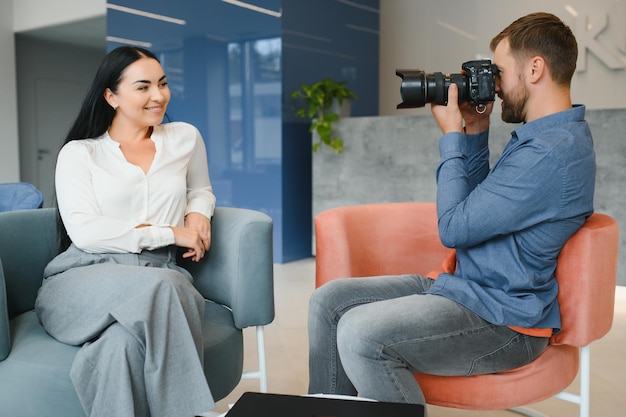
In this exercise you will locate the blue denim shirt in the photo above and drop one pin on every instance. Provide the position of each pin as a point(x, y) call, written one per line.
point(508, 224)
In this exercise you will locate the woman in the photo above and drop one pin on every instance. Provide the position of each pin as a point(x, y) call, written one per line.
point(130, 190)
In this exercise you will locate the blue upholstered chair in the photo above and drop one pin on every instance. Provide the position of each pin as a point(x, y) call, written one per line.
point(19, 196)
point(236, 278)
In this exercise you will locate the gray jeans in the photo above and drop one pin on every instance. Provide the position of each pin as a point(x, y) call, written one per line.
point(368, 335)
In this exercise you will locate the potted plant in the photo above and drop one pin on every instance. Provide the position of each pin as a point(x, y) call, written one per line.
point(322, 101)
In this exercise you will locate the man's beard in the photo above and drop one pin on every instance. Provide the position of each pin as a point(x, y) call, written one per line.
point(514, 103)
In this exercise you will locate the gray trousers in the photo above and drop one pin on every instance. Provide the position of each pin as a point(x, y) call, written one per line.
point(138, 319)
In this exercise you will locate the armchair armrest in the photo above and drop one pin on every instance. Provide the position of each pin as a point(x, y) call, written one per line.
point(238, 270)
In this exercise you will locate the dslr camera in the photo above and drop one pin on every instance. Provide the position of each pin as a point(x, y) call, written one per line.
point(476, 85)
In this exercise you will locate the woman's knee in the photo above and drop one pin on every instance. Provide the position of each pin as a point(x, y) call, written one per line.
point(119, 340)
point(115, 344)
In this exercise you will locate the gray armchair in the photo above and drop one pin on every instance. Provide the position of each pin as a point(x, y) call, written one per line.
point(236, 278)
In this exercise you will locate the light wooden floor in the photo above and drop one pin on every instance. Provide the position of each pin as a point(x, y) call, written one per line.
point(287, 353)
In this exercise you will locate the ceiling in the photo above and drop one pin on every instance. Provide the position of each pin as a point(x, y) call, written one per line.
point(214, 19)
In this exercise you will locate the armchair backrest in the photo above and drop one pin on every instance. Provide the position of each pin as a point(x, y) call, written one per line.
point(586, 272)
point(377, 239)
point(28, 241)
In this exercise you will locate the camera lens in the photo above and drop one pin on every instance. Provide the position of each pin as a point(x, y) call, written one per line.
point(413, 88)
point(419, 88)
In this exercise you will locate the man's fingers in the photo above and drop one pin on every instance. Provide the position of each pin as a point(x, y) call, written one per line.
point(453, 94)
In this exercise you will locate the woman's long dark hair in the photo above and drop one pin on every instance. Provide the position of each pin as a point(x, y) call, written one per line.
point(95, 115)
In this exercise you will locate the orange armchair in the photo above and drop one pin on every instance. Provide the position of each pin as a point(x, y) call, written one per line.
point(398, 238)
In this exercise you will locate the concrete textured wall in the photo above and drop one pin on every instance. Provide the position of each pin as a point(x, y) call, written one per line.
point(393, 158)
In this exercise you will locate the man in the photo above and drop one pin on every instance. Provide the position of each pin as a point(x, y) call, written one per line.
point(498, 308)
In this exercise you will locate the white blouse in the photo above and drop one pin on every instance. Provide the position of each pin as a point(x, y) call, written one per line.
point(102, 197)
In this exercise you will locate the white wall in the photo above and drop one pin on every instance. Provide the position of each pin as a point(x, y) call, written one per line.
point(438, 35)
point(9, 165)
point(18, 16)
point(53, 79)
point(36, 14)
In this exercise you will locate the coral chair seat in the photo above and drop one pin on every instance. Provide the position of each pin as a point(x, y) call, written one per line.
point(398, 238)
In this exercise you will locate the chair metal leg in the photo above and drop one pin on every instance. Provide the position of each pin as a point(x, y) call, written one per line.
point(585, 381)
point(583, 400)
point(525, 411)
point(260, 337)
point(261, 374)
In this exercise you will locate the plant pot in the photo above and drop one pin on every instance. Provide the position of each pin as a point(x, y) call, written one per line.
point(342, 110)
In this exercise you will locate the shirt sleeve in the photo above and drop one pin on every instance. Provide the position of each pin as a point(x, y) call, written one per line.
point(200, 197)
point(85, 225)
point(471, 210)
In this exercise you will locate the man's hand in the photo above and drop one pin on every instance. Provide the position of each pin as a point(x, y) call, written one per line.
point(450, 117)
point(475, 121)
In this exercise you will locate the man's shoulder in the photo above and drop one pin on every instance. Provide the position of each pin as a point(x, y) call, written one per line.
point(563, 124)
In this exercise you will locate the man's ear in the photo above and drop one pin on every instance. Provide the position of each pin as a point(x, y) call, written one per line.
point(537, 68)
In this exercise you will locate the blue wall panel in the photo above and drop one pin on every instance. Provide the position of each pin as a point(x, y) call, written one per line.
point(231, 66)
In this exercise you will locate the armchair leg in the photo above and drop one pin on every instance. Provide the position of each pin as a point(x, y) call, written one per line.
point(585, 380)
point(261, 374)
point(525, 411)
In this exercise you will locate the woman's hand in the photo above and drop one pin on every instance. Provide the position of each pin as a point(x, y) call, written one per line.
point(186, 237)
point(202, 224)
point(197, 236)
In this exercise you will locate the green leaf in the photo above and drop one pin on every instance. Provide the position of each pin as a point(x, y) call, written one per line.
point(318, 98)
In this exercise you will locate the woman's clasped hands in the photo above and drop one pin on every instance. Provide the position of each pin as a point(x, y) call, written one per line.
point(195, 236)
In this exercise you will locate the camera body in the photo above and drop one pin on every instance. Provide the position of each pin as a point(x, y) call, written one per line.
point(476, 85)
